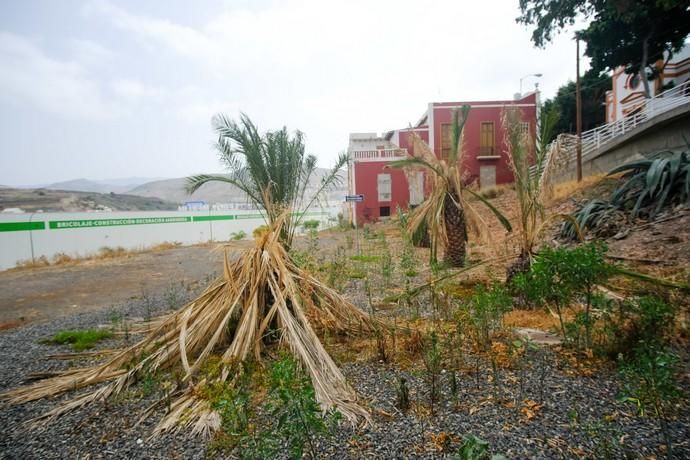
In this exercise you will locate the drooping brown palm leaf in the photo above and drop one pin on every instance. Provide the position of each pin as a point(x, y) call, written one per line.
point(447, 212)
point(262, 298)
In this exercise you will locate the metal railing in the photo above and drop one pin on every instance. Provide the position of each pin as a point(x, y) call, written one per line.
point(594, 139)
point(378, 155)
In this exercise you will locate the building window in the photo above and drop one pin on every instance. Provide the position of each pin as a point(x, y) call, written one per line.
point(487, 141)
point(446, 139)
point(383, 183)
point(385, 211)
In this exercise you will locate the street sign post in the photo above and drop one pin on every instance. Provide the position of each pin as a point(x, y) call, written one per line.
point(355, 199)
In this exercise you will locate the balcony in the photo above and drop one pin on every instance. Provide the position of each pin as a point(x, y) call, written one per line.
point(378, 155)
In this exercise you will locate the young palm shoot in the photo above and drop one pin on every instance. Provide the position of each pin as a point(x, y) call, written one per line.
point(533, 164)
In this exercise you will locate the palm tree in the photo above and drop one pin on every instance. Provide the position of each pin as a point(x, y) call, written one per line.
point(272, 169)
point(533, 164)
point(446, 212)
point(263, 300)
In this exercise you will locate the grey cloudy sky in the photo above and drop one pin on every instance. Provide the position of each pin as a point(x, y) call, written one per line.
point(105, 89)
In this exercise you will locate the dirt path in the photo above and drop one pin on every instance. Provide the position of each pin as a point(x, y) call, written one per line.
point(39, 294)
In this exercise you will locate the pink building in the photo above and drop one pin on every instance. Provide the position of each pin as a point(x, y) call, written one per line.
point(485, 159)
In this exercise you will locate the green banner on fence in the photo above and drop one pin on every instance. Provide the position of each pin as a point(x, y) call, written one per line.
point(21, 226)
point(89, 223)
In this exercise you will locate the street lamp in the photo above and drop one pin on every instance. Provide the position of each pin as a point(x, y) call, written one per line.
point(538, 75)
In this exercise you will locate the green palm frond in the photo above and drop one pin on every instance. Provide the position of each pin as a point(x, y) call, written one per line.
point(271, 168)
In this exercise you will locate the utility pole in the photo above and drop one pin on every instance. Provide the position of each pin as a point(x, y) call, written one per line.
point(578, 109)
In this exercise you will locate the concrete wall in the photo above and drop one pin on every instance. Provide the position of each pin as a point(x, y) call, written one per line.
point(665, 132)
point(24, 237)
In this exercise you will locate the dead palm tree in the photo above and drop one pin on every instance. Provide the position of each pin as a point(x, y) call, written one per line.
point(263, 300)
point(446, 211)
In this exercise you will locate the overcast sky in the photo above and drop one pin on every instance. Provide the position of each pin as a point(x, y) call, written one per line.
point(107, 89)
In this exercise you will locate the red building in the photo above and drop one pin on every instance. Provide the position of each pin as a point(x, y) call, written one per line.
point(485, 159)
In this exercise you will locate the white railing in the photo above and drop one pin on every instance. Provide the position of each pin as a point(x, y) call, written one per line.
point(378, 155)
point(595, 138)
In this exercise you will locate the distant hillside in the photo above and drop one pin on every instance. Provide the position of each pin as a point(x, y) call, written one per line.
point(31, 200)
point(99, 186)
point(219, 192)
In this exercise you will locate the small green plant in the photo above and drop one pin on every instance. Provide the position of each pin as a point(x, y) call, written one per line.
point(560, 276)
point(606, 436)
point(432, 363)
point(239, 235)
point(475, 448)
point(482, 315)
point(402, 395)
point(386, 261)
point(310, 224)
point(650, 382)
point(292, 404)
point(80, 339)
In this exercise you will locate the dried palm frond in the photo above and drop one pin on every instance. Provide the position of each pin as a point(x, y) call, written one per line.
point(447, 200)
point(262, 296)
point(533, 190)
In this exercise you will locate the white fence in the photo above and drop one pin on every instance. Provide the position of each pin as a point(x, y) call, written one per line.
point(595, 138)
point(26, 237)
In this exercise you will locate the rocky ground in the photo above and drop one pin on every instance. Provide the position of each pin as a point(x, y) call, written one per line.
point(543, 408)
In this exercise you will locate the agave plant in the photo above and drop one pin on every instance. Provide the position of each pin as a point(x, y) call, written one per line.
point(446, 212)
point(647, 187)
point(587, 217)
point(651, 184)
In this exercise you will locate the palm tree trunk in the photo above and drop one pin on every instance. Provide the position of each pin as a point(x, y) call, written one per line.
point(456, 231)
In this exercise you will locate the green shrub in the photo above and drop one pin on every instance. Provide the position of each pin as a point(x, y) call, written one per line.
point(560, 276)
point(80, 340)
point(292, 405)
point(482, 315)
point(310, 224)
point(650, 382)
point(474, 448)
point(236, 236)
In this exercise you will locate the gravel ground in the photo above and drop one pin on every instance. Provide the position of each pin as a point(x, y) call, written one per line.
point(563, 427)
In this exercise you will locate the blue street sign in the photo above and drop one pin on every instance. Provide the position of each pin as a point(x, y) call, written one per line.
point(354, 197)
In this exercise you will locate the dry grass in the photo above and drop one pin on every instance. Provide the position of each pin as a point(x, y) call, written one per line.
point(568, 189)
point(535, 319)
point(105, 253)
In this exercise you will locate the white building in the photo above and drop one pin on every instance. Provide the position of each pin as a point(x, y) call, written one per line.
point(627, 90)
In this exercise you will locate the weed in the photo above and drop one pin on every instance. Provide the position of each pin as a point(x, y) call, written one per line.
point(482, 316)
point(432, 364)
point(239, 235)
point(80, 339)
point(561, 275)
point(292, 403)
point(365, 259)
point(650, 382)
point(403, 395)
point(474, 448)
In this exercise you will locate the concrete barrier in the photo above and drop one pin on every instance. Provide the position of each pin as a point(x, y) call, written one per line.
point(27, 237)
